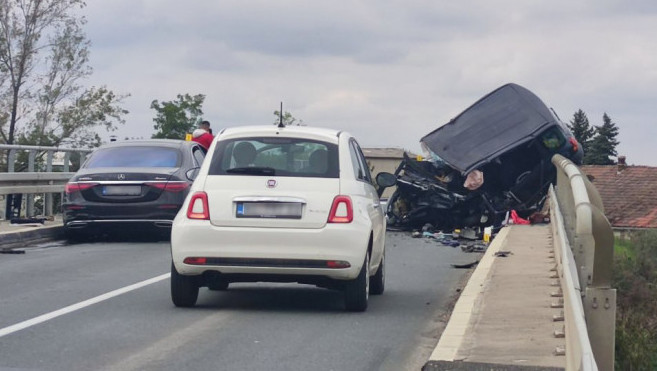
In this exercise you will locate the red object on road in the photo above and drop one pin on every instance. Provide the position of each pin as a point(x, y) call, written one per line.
point(516, 219)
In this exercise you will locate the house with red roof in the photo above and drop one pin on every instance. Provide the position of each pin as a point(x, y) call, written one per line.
point(629, 193)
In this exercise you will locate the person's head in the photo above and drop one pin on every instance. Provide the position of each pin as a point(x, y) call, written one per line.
point(244, 153)
point(205, 125)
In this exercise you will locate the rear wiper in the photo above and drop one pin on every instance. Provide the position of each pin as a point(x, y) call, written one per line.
point(252, 170)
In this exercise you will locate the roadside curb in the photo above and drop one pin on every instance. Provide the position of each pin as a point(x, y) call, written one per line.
point(25, 236)
point(450, 341)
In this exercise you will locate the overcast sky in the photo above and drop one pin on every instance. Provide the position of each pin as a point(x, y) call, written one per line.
point(387, 71)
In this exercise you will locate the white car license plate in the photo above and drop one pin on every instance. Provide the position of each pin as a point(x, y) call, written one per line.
point(289, 210)
point(122, 190)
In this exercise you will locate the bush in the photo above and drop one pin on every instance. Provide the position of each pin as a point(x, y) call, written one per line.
point(635, 278)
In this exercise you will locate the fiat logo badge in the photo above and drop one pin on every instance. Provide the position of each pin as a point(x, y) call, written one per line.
point(271, 183)
point(121, 177)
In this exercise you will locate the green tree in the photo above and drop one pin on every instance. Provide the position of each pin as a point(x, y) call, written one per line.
point(44, 56)
point(582, 130)
point(288, 119)
point(176, 118)
point(603, 145)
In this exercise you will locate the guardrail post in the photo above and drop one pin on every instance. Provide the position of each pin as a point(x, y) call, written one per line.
point(48, 196)
point(29, 204)
point(67, 160)
point(11, 160)
point(600, 312)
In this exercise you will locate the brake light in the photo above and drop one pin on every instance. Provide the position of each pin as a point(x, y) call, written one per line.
point(77, 187)
point(170, 186)
point(198, 207)
point(342, 210)
point(574, 144)
point(195, 261)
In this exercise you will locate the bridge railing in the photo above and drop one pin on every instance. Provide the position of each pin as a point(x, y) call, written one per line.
point(39, 177)
point(584, 245)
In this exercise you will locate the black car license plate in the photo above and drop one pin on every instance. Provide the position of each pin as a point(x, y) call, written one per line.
point(121, 190)
point(285, 210)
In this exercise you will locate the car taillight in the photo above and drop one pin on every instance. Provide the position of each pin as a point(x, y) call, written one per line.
point(342, 210)
point(77, 187)
point(170, 186)
point(198, 207)
point(195, 260)
point(574, 144)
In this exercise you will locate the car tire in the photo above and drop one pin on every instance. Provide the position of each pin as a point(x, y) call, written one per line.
point(378, 281)
point(356, 292)
point(184, 289)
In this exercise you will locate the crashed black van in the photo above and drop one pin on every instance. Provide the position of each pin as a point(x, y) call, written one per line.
point(492, 158)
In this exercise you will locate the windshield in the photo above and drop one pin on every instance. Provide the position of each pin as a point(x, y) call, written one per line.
point(275, 156)
point(143, 156)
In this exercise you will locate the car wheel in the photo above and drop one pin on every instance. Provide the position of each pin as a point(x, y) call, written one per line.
point(184, 289)
point(378, 283)
point(356, 293)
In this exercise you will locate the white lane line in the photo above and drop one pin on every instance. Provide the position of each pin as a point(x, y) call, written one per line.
point(83, 304)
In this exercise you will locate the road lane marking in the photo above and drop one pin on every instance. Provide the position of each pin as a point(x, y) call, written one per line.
point(83, 304)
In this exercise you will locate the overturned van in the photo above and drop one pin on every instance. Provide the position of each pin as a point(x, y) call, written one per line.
point(493, 157)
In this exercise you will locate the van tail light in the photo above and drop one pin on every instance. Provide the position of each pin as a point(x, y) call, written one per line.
point(169, 186)
point(574, 143)
point(198, 207)
point(77, 187)
point(342, 210)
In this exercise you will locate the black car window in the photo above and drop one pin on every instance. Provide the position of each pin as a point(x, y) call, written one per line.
point(367, 176)
point(275, 156)
point(553, 139)
point(137, 156)
point(359, 172)
point(199, 156)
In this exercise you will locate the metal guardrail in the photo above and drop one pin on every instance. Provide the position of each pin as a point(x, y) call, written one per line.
point(31, 183)
point(584, 246)
point(38, 179)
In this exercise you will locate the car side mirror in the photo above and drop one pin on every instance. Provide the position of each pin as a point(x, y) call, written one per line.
point(385, 180)
point(192, 173)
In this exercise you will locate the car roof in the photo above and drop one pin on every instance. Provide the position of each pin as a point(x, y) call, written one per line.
point(498, 122)
point(310, 132)
point(173, 143)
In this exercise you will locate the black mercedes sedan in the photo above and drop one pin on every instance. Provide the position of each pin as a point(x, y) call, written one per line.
point(136, 185)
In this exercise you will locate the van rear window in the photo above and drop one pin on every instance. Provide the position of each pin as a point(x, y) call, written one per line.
point(275, 156)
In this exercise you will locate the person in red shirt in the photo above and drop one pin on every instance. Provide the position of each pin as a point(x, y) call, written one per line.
point(203, 135)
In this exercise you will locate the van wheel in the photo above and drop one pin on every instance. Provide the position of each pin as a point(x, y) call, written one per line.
point(378, 283)
point(356, 293)
point(184, 289)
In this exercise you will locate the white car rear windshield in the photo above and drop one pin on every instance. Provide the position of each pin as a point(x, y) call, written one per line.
point(275, 156)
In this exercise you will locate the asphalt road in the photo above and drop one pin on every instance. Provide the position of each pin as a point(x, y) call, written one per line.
point(106, 305)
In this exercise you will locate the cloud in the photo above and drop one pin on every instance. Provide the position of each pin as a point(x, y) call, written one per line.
point(389, 71)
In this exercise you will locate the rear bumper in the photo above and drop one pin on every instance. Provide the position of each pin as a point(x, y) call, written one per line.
point(79, 224)
point(83, 215)
point(262, 252)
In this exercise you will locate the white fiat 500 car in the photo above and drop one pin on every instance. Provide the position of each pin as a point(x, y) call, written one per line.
point(281, 204)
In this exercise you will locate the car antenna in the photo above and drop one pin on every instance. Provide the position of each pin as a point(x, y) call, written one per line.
point(280, 116)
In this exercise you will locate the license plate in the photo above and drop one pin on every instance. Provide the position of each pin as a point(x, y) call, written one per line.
point(283, 210)
point(122, 190)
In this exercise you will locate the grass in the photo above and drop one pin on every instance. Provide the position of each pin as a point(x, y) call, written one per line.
point(635, 278)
